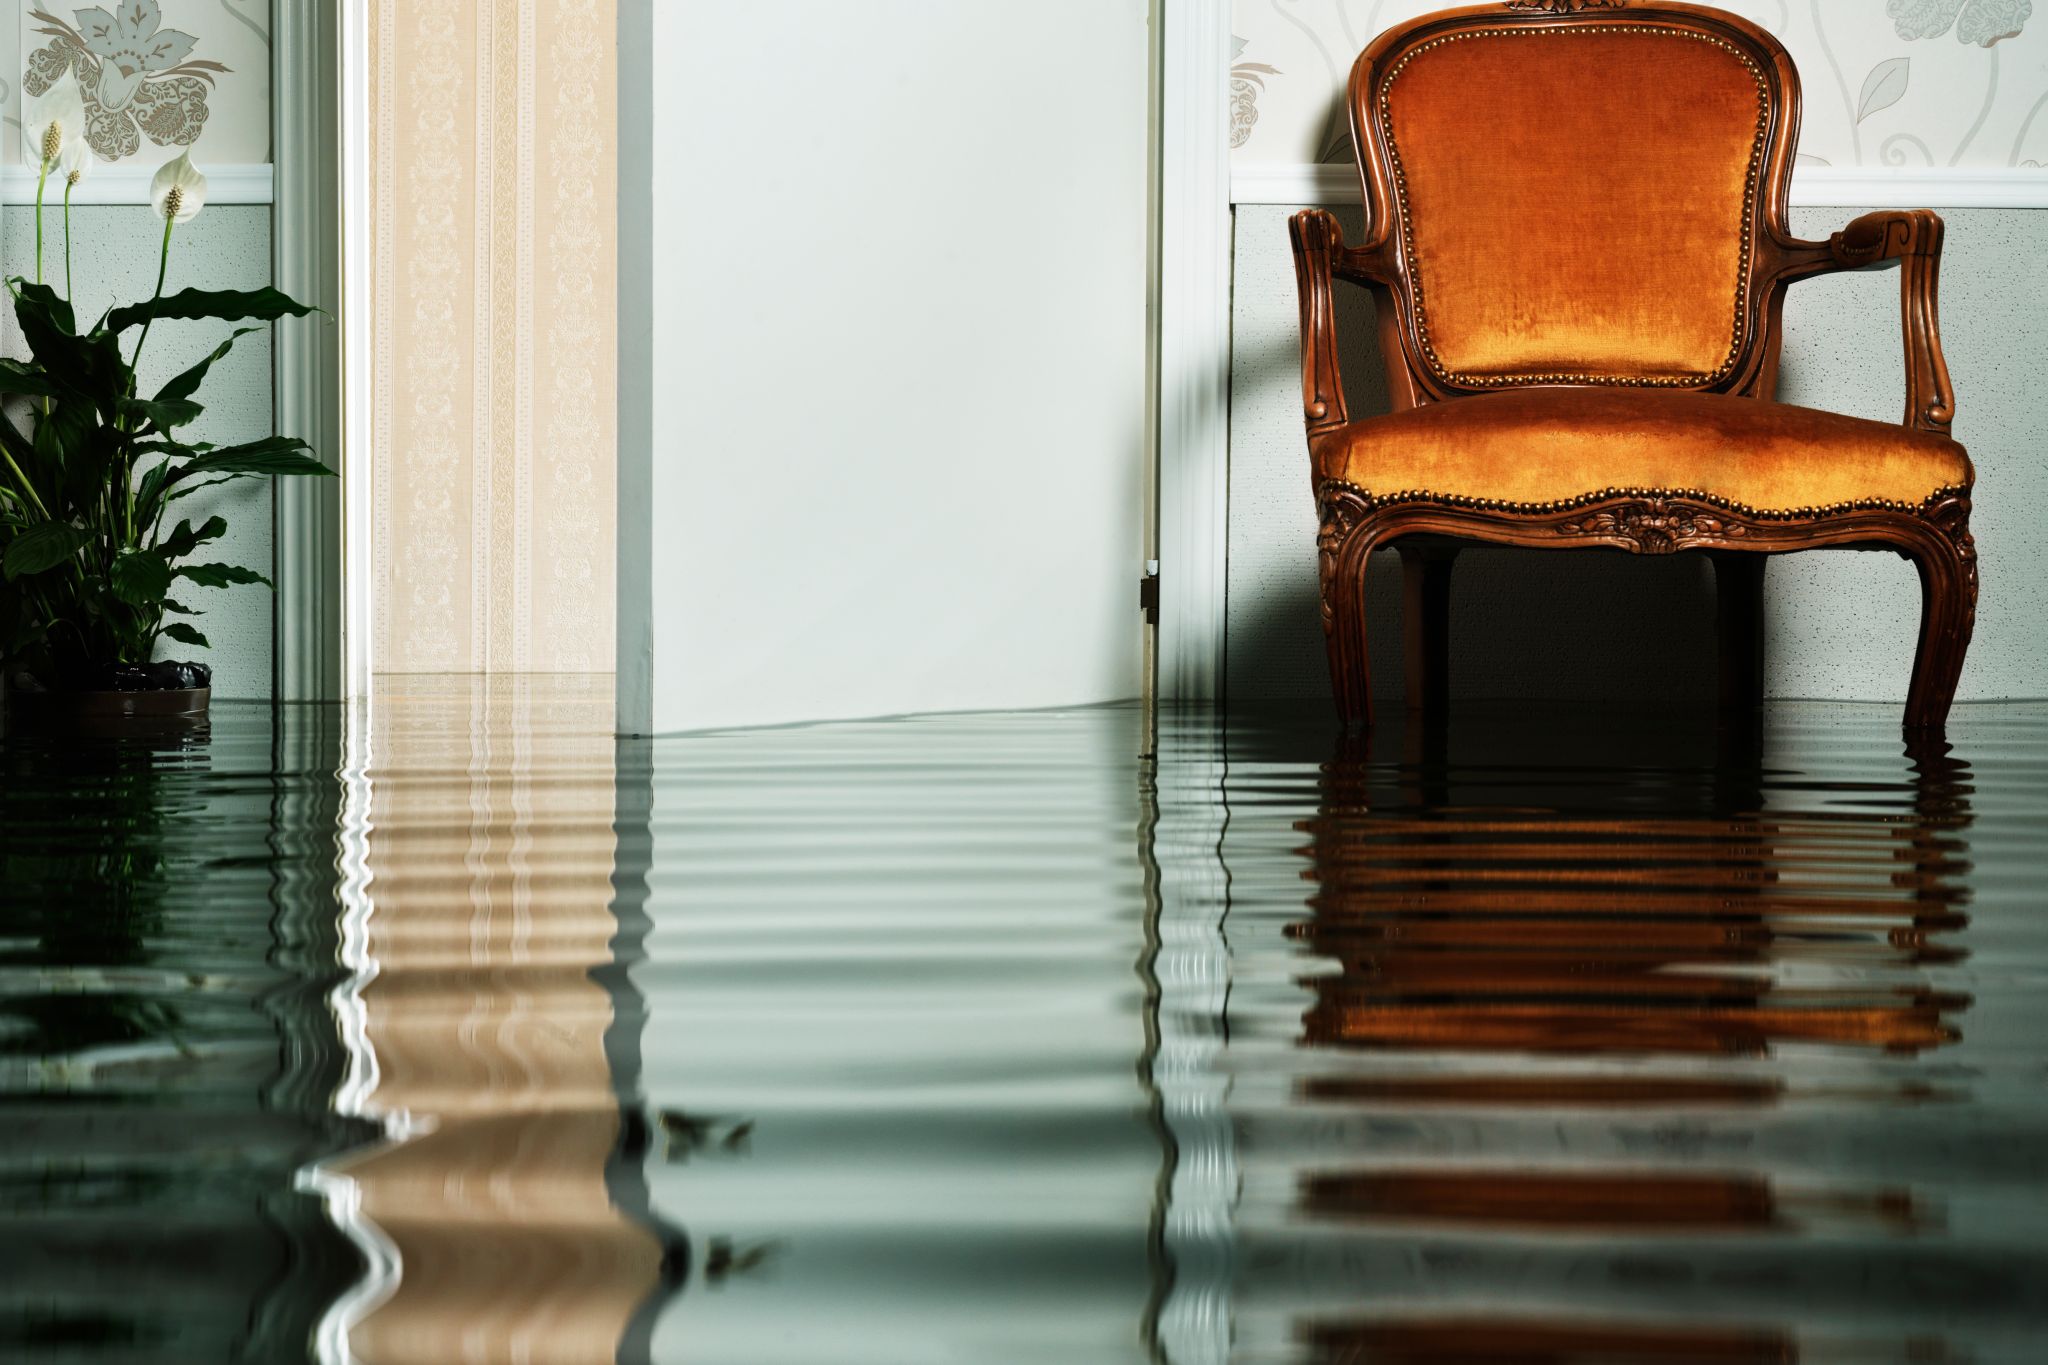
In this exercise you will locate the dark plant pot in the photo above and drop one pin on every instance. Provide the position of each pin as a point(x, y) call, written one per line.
point(155, 711)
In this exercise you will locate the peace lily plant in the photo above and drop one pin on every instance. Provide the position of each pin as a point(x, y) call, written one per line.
point(90, 467)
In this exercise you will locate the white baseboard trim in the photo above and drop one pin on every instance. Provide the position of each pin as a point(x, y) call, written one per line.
point(1933, 187)
point(235, 184)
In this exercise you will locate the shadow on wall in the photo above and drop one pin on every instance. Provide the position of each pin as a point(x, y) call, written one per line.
point(1525, 623)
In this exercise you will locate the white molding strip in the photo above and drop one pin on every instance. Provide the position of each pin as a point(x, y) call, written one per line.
point(130, 185)
point(1194, 347)
point(357, 571)
point(1933, 187)
point(1277, 182)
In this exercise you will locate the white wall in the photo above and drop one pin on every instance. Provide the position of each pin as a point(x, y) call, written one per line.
point(882, 357)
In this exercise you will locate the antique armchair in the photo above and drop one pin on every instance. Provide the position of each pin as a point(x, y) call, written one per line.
point(1577, 245)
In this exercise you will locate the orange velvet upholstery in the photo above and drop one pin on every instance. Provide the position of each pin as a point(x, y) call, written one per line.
point(1578, 201)
point(1541, 445)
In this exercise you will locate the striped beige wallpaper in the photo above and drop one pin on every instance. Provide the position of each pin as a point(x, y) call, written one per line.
point(494, 160)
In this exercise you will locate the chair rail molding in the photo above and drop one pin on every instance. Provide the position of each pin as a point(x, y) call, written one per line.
point(1194, 346)
point(225, 184)
point(1910, 187)
point(306, 648)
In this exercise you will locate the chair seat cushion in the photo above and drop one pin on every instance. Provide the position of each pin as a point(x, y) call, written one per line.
point(1543, 445)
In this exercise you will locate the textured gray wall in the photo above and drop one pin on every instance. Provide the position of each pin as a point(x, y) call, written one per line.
point(114, 260)
point(1549, 625)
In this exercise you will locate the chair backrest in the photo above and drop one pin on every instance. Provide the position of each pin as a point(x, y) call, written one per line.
point(1575, 190)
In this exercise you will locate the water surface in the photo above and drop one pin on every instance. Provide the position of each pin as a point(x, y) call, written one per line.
point(450, 1029)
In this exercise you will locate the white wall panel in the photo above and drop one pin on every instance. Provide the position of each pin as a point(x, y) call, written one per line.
point(884, 400)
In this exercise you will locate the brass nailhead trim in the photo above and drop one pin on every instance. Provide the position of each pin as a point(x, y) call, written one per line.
point(1735, 345)
point(1376, 501)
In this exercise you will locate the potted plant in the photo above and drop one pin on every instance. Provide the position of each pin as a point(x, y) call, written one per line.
point(95, 563)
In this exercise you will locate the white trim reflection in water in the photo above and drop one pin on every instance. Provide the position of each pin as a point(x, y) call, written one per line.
point(1193, 974)
point(339, 1192)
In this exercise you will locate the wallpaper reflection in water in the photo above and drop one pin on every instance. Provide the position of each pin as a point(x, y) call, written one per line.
point(483, 863)
point(462, 1032)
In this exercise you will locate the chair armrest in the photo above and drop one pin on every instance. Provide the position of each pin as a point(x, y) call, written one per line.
point(1317, 242)
point(1320, 256)
point(1912, 238)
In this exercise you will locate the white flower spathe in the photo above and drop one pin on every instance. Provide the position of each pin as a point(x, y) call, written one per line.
point(52, 121)
point(178, 191)
point(75, 162)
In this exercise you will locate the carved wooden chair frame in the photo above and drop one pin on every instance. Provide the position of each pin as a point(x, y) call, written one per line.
point(1427, 528)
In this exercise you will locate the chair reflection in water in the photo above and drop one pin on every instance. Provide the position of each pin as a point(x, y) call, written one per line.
point(1614, 947)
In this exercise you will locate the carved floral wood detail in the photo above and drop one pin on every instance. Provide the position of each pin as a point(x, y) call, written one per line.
point(1657, 525)
point(1562, 6)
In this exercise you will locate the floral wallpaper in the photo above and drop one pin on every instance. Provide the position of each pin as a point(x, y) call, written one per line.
point(159, 76)
point(1907, 83)
point(494, 158)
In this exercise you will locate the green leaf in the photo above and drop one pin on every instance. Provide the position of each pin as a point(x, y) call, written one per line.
point(187, 490)
point(150, 490)
point(89, 450)
point(13, 441)
point(141, 577)
point(185, 540)
point(165, 415)
point(62, 431)
point(178, 608)
point(18, 377)
point(43, 546)
point(219, 575)
point(187, 384)
point(185, 634)
point(44, 301)
point(271, 455)
point(228, 305)
point(89, 366)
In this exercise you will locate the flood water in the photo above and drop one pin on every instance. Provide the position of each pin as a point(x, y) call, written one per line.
point(448, 1028)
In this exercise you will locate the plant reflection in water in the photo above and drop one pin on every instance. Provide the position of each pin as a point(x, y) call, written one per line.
point(167, 936)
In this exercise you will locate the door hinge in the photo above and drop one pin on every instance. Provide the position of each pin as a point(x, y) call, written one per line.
point(1148, 592)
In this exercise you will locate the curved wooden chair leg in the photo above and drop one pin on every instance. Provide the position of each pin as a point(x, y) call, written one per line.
point(1948, 615)
point(1426, 626)
point(1344, 634)
point(1739, 629)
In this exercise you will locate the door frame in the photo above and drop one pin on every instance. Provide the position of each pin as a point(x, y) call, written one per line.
point(1193, 339)
point(307, 630)
point(352, 36)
